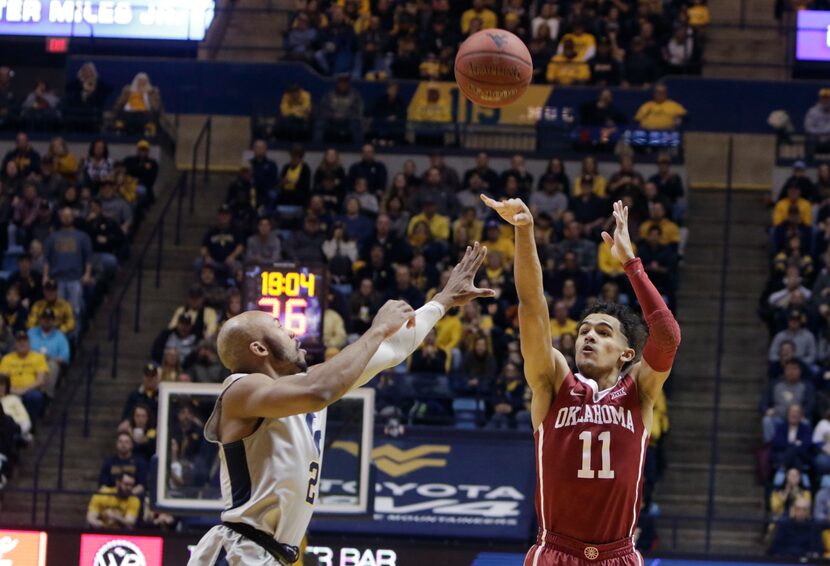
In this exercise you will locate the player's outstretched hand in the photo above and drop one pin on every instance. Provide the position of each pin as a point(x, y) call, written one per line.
point(392, 315)
point(620, 243)
point(460, 288)
point(512, 210)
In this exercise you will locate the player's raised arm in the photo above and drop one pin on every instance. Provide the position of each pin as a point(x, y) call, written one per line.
point(459, 290)
point(261, 396)
point(545, 367)
point(663, 330)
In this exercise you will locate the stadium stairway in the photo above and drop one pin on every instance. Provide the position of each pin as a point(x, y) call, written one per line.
point(83, 456)
point(684, 487)
point(757, 50)
point(250, 31)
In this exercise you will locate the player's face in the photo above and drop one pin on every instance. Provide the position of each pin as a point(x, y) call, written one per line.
point(284, 348)
point(600, 345)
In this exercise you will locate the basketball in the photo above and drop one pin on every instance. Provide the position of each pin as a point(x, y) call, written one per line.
point(493, 68)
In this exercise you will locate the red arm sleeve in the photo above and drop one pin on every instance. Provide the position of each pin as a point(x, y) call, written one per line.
point(663, 330)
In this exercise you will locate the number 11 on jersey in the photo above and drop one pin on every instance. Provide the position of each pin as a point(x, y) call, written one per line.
point(586, 471)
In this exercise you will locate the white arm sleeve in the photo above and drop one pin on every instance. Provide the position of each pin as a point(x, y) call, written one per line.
point(400, 345)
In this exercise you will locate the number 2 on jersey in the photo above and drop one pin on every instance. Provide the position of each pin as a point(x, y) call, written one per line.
point(586, 471)
point(314, 470)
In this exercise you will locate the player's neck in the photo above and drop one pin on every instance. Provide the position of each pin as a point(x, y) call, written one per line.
point(604, 379)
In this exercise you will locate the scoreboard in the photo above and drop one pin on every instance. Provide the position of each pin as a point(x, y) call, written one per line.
point(295, 294)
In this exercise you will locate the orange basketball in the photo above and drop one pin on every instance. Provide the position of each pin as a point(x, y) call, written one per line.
point(493, 68)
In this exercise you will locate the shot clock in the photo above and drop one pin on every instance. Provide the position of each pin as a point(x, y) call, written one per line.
point(295, 294)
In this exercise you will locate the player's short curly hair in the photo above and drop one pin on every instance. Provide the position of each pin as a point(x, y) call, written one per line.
point(632, 325)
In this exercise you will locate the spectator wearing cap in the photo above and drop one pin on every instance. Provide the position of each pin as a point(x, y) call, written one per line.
point(306, 245)
point(371, 169)
point(669, 184)
point(205, 319)
point(23, 155)
point(124, 461)
point(294, 121)
point(799, 176)
point(54, 346)
point(146, 394)
point(792, 198)
point(64, 317)
point(107, 239)
point(114, 508)
point(802, 339)
point(264, 246)
point(44, 224)
point(27, 371)
point(68, 254)
point(144, 168)
point(265, 175)
point(114, 206)
point(480, 11)
point(567, 67)
point(222, 246)
point(661, 112)
point(28, 281)
point(340, 115)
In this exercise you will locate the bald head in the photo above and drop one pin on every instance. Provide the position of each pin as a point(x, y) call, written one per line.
point(254, 341)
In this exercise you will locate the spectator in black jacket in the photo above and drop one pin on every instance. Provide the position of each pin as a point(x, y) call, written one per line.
point(489, 177)
point(265, 175)
point(86, 95)
point(340, 114)
point(404, 290)
point(306, 245)
point(124, 461)
point(396, 249)
point(601, 113)
point(669, 184)
point(377, 269)
point(144, 168)
point(146, 394)
point(605, 70)
point(107, 239)
point(659, 261)
point(222, 246)
point(295, 179)
point(792, 441)
point(639, 68)
point(27, 280)
point(371, 169)
point(389, 117)
point(798, 537)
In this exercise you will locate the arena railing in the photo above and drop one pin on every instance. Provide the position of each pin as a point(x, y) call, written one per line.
point(186, 181)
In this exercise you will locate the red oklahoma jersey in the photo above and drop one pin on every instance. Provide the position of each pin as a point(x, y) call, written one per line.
point(590, 451)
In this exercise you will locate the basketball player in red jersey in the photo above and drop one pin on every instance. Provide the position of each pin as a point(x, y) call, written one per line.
point(591, 428)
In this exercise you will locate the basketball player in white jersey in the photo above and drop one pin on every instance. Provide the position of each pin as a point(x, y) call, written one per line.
point(271, 417)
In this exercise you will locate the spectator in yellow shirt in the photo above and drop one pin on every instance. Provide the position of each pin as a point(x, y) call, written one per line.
point(488, 17)
point(584, 43)
point(610, 266)
point(794, 199)
point(467, 229)
point(439, 225)
point(698, 14)
point(428, 113)
point(561, 323)
point(114, 507)
point(670, 232)
point(27, 371)
point(497, 243)
point(660, 113)
point(567, 68)
point(64, 317)
point(295, 113)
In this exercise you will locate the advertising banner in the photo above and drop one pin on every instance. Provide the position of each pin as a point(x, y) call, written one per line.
point(812, 39)
point(116, 550)
point(441, 486)
point(137, 19)
point(22, 548)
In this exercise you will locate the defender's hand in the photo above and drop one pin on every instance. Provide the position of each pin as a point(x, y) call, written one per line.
point(512, 210)
point(391, 316)
point(460, 288)
point(620, 243)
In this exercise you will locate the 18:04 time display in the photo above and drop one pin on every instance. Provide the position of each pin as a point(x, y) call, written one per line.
point(294, 294)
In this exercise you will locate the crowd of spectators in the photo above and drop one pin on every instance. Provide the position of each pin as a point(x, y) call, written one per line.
point(86, 105)
point(795, 405)
point(388, 234)
point(599, 42)
point(67, 223)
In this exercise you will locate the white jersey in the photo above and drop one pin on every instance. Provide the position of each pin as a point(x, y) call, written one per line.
point(270, 478)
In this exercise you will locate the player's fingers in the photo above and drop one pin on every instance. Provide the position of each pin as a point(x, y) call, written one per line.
point(490, 202)
point(482, 254)
point(410, 322)
point(484, 292)
point(607, 238)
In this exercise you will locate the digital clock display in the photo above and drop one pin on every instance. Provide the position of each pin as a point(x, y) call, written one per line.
point(293, 294)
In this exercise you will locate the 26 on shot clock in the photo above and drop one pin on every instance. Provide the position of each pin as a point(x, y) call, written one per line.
point(295, 294)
